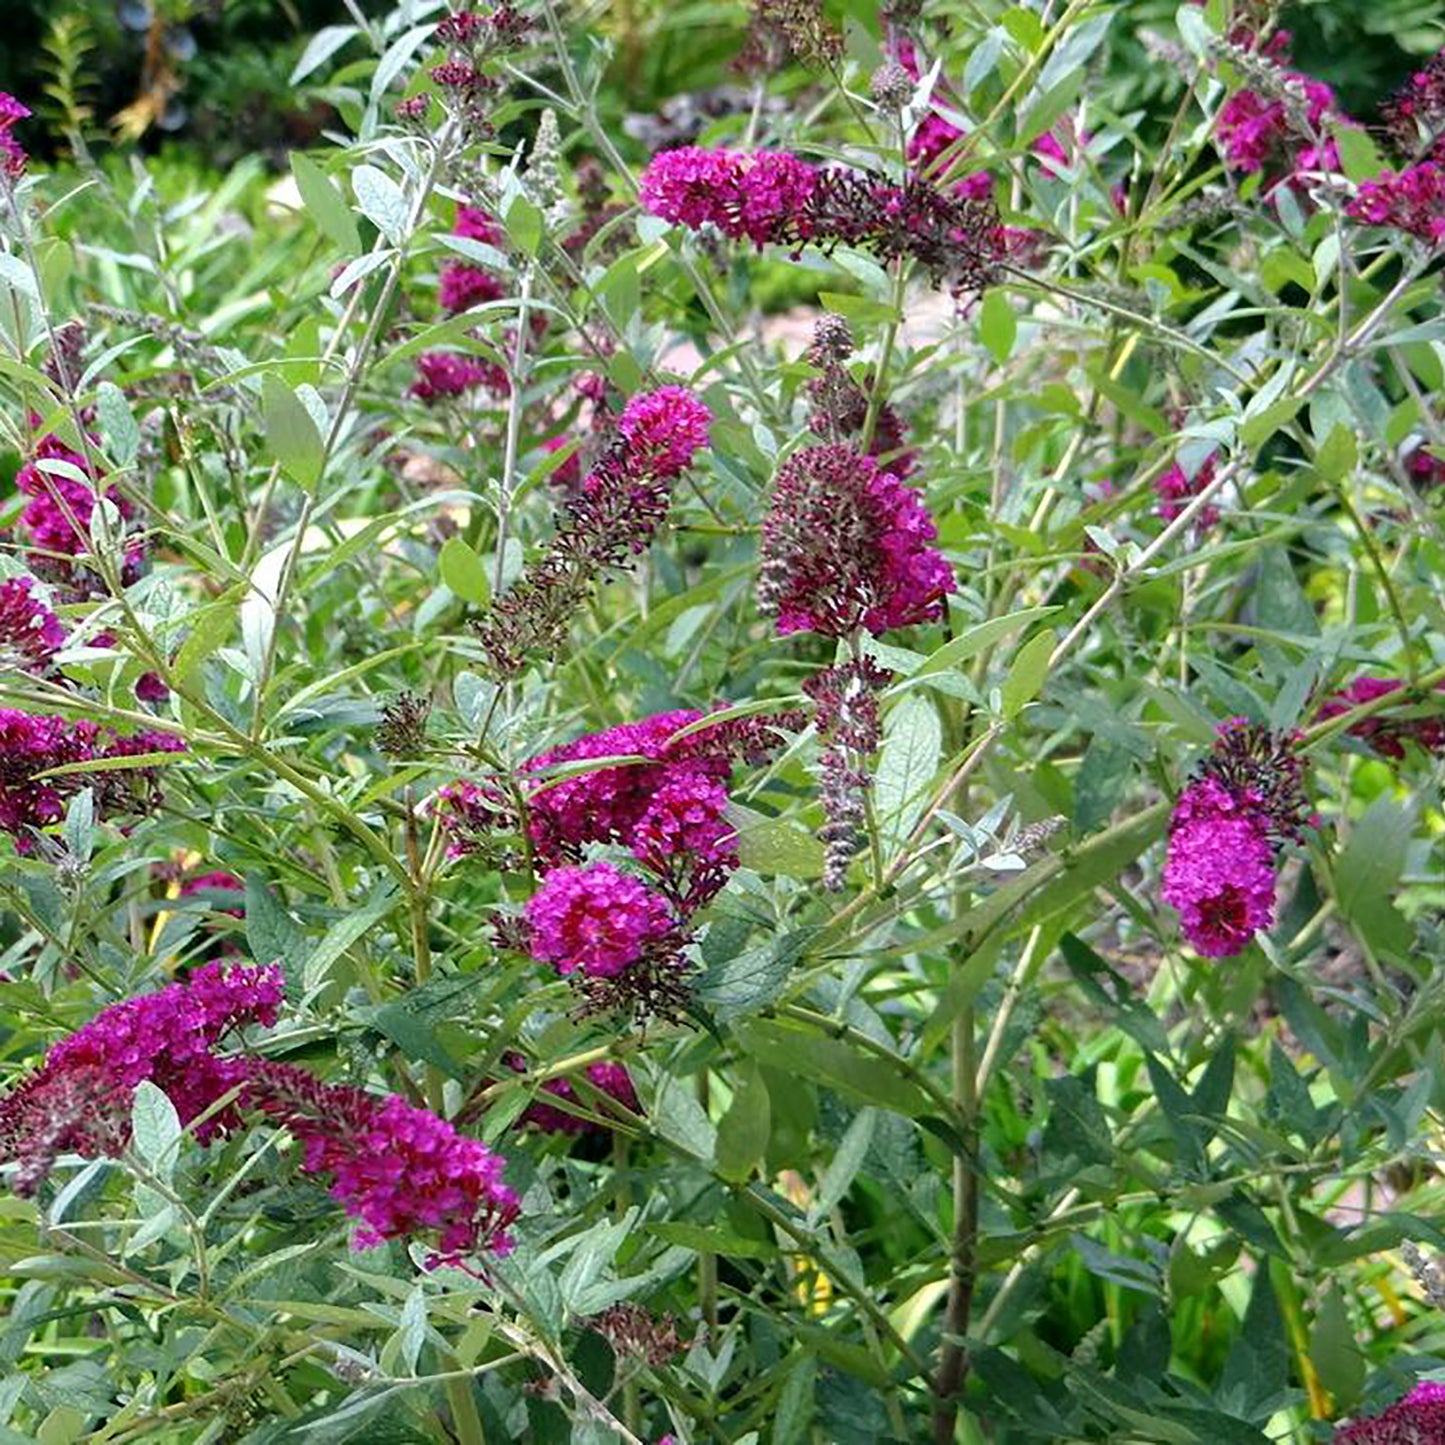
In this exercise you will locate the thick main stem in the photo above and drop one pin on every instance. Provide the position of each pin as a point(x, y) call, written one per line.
point(963, 1266)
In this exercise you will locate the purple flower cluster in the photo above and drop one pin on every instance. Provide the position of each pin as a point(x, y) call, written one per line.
point(31, 744)
point(1175, 490)
point(611, 1080)
point(685, 839)
point(1418, 1419)
point(773, 197)
point(607, 805)
point(609, 521)
point(30, 633)
point(396, 1169)
point(595, 919)
point(752, 196)
point(57, 520)
point(444, 374)
point(1246, 798)
point(1385, 734)
point(79, 1099)
point(846, 545)
point(662, 431)
point(1256, 130)
point(1425, 470)
point(12, 154)
point(464, 285)
point(1412, 202)
point(1220, 869)
point(670, 809)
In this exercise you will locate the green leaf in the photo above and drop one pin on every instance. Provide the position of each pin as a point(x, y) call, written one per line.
point(1077, 1132)
point(703, 1240)
point(15, 274)
point(860, 310)
point(1120, 1269)
point(325, 204)
point(752, 979)
point(292, 438)
point(981, 635)
point(742, 1135)
point(997, 324)
point(912, 747)
point(1338, 457)
point(346, 931)
point(80, 825)
point(271, 932)
point(862, 1077)
point(681, 1120)
point(1258, 429)
point(320, 48)
point(524, 224)
point(1334, 1352)
point(843, 1168)
point(155, 1129)
point(411, 1333)
point(1101, 782)
point(381, 201)
point(464, 572)
point(210, 627)
point(1027, 675)
point(412, 1021)
point(771, 845)
point(117, 424)
point(1369, 869)
point(1360, 158)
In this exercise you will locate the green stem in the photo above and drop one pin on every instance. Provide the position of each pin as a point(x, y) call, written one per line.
point(963, 1267)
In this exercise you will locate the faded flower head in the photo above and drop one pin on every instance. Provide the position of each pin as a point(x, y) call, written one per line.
point(846, 545)
point(845, 700)
point(1416, 112)
point(401, 733)
point(595, 919)
point(632, 1330)
point(891, 86)
point(783, 30)
point(608, 521)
